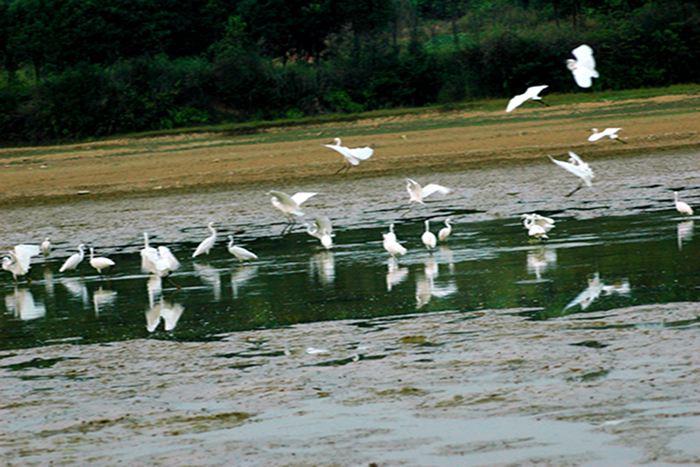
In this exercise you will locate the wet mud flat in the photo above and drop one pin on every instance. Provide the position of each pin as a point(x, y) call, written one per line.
point(488, 387)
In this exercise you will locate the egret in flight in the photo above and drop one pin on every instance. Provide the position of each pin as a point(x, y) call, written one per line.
point(290, 206)
point(428, 238)
point(46, 247)
point(99, 262)
point(681, 206)
point(74, 260)
point(583, 68)
point(206, 245)
point(610, 133)
point(576, 166)
point(418, 192)
point(17, 260)
point(160, 262)
point(445, 231)
point(323, 230)
point(239, 252)
point(353, 156)
point(533, 92)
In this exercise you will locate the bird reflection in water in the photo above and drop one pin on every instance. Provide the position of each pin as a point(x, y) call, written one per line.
point(159, 308)
point(102, 298)
point(240, 276)
point(322, 264)
point(394, 275)
point(76, 287)
point(541, 259)
point(684, 231)
point(595, 289)
point(21, 304)
point(426, 288)
point(210, 276)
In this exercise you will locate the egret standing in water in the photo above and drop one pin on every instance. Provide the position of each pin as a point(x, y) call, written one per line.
point(391, 243)
point(445, 231)
point(206, 245)
point(239, 252)
point(74, 260)
point(353, 156)
point(610, 133)
point(290, 206)
point(99, 262)
point(18, 259)
point(160, 262)
point(46, 247)
point(533, 92)
point(576, 166)
point(428, 238)
point(583, 68)
point(537, 226)
point(682, 207)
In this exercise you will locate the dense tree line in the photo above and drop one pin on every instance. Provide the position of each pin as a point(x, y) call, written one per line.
point(82, 68)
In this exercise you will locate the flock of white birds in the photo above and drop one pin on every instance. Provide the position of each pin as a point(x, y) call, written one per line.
point(160, 261)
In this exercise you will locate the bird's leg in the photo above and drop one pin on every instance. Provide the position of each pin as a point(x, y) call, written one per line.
point(406, 211)
point(177, 286)
point(575, 190)
point(542, 102)
point(340, 169)
point(621, 140)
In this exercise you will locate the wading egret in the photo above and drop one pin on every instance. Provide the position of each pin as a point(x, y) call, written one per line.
point(445, 231)
point(681, 206)
point(17, 260)
point(207, 244)
point(428, 238)
point(610, 133)
point(583, 68)
point(391, 243)
point(418, 192)
point(290, 206)
point(533, 92)
point(99, 262)
point(353, 156)
point(239, 252)
point(74, 260)
point(577, 167)
point(545, 222)
point(323, 230)
point(46, 247)
point(160, 262)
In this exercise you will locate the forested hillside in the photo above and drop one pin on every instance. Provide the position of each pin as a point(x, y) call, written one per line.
point(83, 68)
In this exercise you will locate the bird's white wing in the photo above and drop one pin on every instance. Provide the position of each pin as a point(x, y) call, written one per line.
point(361, 153)
point(533, 92)
point(24, 254)
point(576, 158)
point(516, 102)
point(170, 314)
point(596, 136)
point(584, 57)
point(611, 131)
point(240, 252)
point(168, 257)
point(434, 188)
point(301, 197)
point(324, 225)
point(583, 173)
point(583, 77)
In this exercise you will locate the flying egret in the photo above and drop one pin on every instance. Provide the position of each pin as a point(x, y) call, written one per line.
point(99, 262)
point(418, 192)
point(391, 244)
point(323, 230)
point(239, 252)
point(46, 247)
point(160, 262)
point(353, 156)
point(428, 238)
point(445, 231)
point(577, 167)
point(207, 244)
point(583, 68)
point(533, 92)
point(610, 133)
point(17, 260)
point(681, 206)
point(290, 205)
point(74, 260)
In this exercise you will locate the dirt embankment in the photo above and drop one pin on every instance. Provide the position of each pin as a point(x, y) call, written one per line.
point(431, 141)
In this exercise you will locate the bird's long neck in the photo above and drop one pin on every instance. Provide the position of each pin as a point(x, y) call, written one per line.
point(92, 252)
point(212, 230)
point(675, 196)
point(448, 223)
point(427, 226)
point(145, 240)
point(230, 241)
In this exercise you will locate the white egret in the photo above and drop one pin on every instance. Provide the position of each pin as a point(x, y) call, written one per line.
point(46, 247)
point(610, 133)
point(445, 231)
point(99, 262)
point(353, 156)
point(18, 259)
point(239, 252)
point(428, 238)
point(206, 245)
point(418, 192)
point(583, 68)
point(546, 223)
point(323, 230)
point(74, 260)
point(681, 206)
point(576, 166)
point(533, 92)
point(160, 262)
point(391, 244)
point(534, 229)
point(290, 206)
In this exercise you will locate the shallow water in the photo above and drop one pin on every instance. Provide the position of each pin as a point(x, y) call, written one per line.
point(491, 349)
